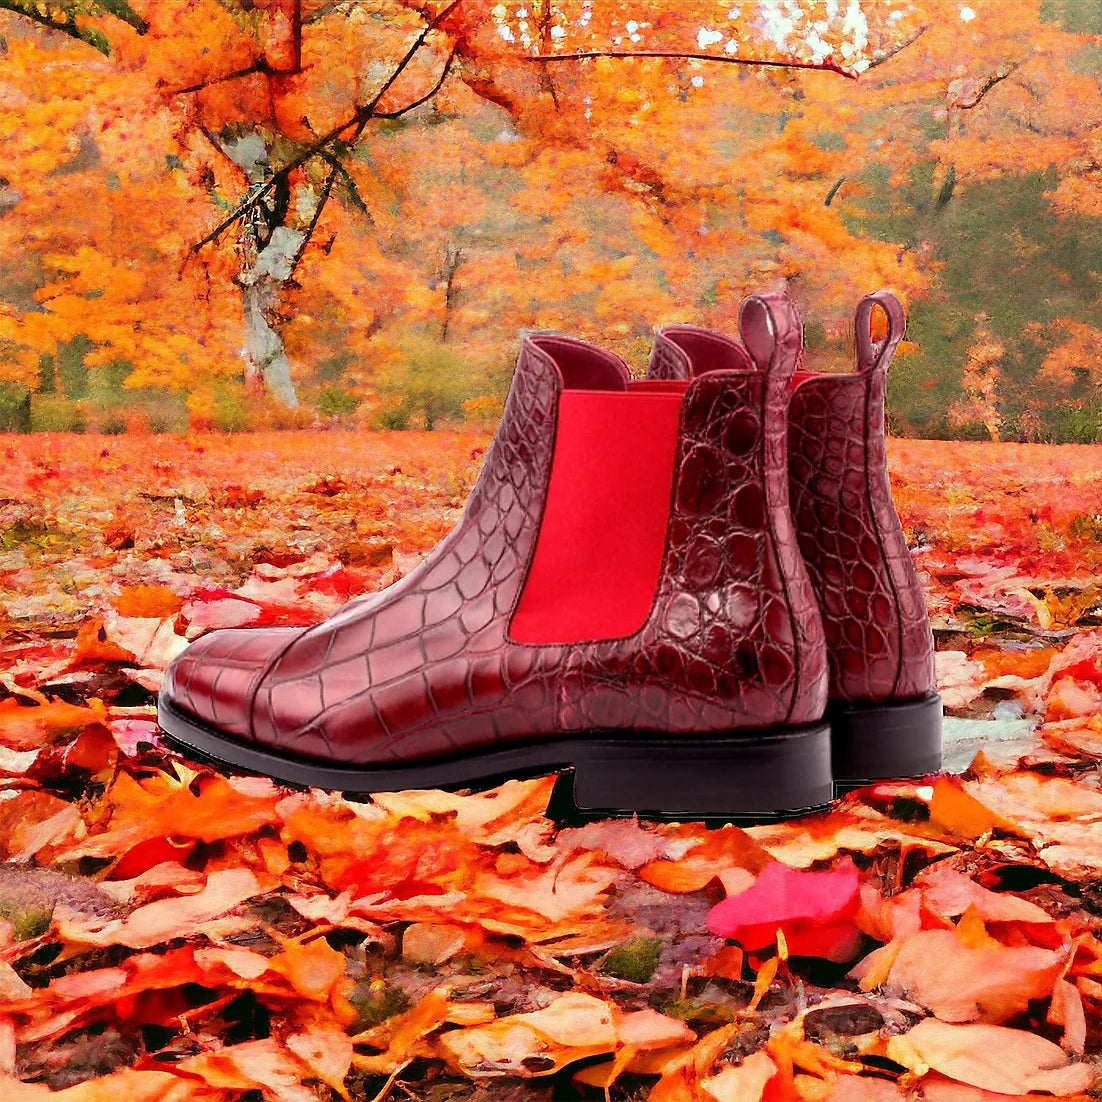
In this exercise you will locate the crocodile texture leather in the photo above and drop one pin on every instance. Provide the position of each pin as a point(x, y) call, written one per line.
point(878, 631)
point(879, 643)
point(427, 669)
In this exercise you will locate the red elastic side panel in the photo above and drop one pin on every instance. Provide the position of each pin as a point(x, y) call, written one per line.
point(599, 552)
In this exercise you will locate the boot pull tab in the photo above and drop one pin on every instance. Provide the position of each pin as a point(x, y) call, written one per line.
point(875, 356)
point(771, 330)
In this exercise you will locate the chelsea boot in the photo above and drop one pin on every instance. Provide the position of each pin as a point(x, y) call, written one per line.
point(884, 711)
point(623, 596)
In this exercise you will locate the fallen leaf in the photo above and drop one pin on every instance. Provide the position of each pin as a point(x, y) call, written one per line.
point(958, 983)
point(148, 601)
point(314, 969)
point(647, 1029)
point(815, 911)
point(624, 840)
point(1080, 737)
point(326, 1052)
point(1067, 1010)
point(744, 1083)
point(945, 891)
point(27, 728)
point(402, 1034)
point(963, 814)
point(165, 919)
point(127, 1085)
point(937, 1088)
point(864, 1088)
point(573, 1027)
point(991, 1057)
point(429, 943)
point(264, 1064)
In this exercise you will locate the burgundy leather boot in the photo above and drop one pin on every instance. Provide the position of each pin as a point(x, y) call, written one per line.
point(623, 596)
point(885, 715)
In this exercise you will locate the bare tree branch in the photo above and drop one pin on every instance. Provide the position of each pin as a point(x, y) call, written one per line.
point(453, 258)
point(583, 55)
point(880, 56)
point(544, 24)
point(120, 9)
point(834, 191)
point(258, 66)
point(350, 185)
point(996, 78)
point(216, 144)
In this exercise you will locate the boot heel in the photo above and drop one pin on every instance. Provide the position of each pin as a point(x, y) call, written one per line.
point(879, 742)
point(707, 776)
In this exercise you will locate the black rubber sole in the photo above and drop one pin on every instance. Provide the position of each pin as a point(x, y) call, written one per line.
point(764, 774)
point(883, 742)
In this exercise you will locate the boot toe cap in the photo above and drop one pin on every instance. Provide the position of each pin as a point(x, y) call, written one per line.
point(215, 678)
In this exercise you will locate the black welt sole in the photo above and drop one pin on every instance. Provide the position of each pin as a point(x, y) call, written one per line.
point(723, 776)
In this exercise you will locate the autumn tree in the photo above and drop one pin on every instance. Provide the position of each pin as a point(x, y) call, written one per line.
point(980, 383)
point(972, 150)
point(262, 122)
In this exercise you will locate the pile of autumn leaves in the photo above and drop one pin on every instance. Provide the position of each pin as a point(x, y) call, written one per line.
point(490, 931)
point(170, 933)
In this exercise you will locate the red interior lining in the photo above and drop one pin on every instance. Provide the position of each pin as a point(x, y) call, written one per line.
point(583, 366)
point(599, 552)
point(709, 351)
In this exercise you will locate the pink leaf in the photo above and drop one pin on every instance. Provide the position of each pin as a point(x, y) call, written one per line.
point(815, 910)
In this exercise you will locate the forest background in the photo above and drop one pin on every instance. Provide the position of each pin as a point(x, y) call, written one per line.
point(240, 214)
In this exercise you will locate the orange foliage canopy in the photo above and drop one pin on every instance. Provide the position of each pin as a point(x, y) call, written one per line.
point(167, 932)
point(305, 181)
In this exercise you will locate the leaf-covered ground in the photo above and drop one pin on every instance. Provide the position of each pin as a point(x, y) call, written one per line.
point(170, 933)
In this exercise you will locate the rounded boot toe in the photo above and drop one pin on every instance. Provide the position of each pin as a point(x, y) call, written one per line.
point(213, 681)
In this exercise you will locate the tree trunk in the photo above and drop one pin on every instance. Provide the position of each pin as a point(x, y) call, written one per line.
point(270, 250)
point(264, 277)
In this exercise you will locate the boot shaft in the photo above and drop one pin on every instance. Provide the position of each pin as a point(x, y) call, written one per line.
point(623, 595)
point(879, 642)
point(524, 613)
point(874, 611)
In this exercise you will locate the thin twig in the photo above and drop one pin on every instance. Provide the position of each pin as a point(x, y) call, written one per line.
point(349, 183)
point(67, 23)
point(545, 36)
point(216, 144)
point(327, 187)
point(881, 56)
point(121, 10)
point(258, 66)
point(991, 82)
point(427, 96)
point(67, 26)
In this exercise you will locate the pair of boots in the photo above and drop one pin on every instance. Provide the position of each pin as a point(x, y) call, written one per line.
point(693, 590)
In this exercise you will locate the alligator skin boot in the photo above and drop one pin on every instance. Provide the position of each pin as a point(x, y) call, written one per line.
point(623, 597)
point(885, 715)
